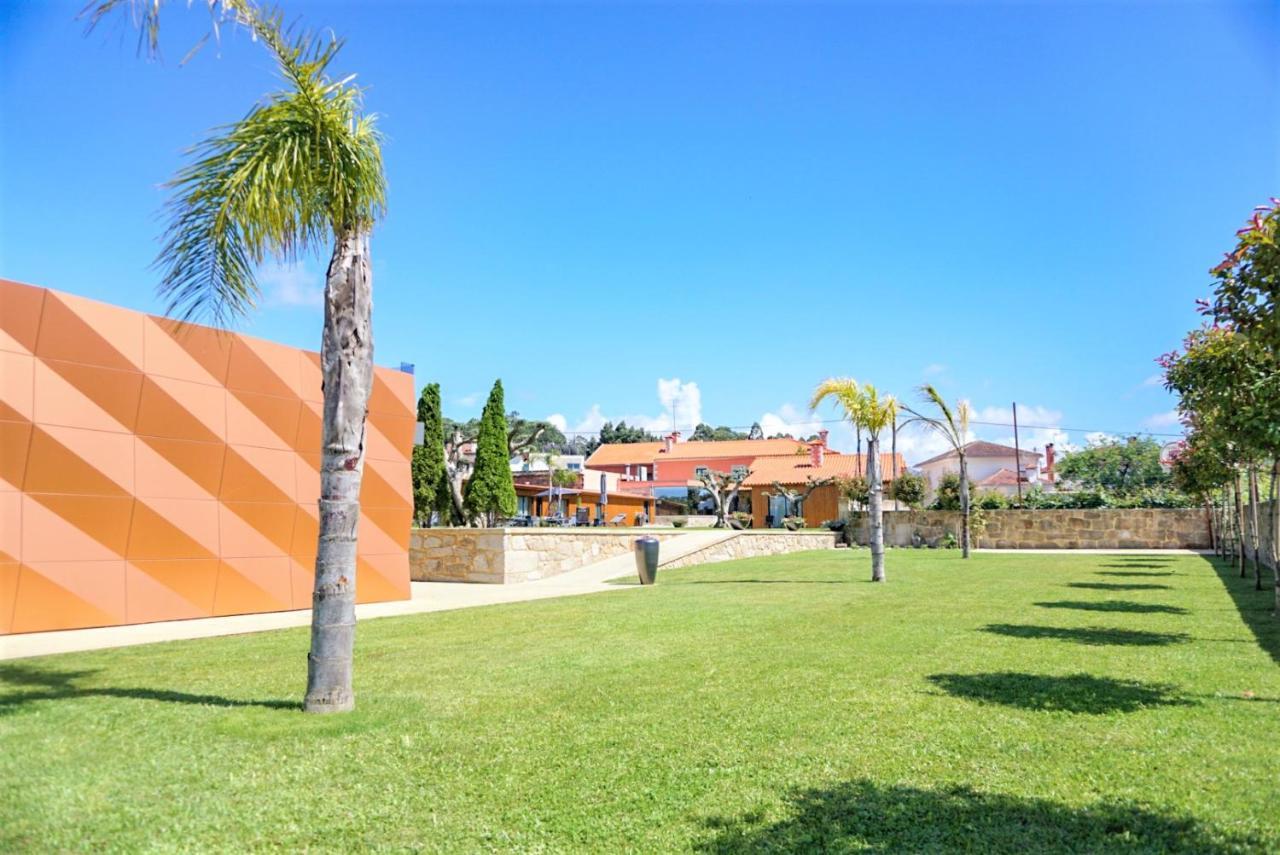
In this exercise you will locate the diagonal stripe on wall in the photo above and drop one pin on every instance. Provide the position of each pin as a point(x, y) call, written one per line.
point(153, 470)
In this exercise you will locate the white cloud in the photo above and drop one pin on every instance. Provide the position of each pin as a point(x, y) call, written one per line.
point(676, 397)
point(682, 400)
point(291, 286)
point(469, 400)
point(1163, 421)
point(1154, 380)
point(1037, 427)
point(790, 419)
point(933, 369)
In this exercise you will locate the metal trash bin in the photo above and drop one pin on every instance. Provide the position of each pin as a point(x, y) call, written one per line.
point(647, 559)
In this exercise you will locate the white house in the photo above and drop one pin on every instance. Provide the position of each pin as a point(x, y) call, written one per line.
point(991, 467)
point(537, 462)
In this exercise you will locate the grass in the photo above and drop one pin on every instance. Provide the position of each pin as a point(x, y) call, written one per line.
point(1008, 703)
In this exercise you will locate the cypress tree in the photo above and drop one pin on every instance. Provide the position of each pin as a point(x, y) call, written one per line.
point(428, 458)
point(491, 492)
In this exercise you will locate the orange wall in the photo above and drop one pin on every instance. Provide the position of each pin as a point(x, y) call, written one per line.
point(151, 470)
point(823, 504)
point(682, 470)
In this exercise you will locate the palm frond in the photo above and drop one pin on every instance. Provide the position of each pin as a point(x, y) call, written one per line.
point(298, 169)
point(952, 425)
point(845, 391)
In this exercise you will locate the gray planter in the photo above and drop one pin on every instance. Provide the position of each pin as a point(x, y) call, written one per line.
point(647, 560)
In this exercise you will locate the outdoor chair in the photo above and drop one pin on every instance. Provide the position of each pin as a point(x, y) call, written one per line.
point(618, 520)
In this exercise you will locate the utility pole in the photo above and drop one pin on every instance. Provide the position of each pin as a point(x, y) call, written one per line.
point(894, 451)
point(1017, 453)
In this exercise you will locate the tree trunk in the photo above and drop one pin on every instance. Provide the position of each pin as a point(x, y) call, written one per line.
point(1213, 529)
point(346, 361)
point(1239, 514)
point(964, 507)
point(1255, 535)
point(875, 501)
point(1275, 530)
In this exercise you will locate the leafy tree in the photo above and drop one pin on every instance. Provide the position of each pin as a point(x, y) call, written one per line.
point(909, 488)
point(706, 433)
point(624, 433)
point(491, 492)
point(301, 172)
point(866, 409)
point(756, 431)
point(1122, 466)
point(1229, 391)
point(952, 424)
point(428, 458)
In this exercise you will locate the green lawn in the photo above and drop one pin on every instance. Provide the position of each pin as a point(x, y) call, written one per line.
point(1014, 703)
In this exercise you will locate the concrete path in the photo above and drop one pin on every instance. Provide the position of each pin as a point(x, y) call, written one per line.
point(425, 597)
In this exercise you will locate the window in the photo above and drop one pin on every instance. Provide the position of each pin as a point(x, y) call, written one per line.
point(573, 466)
point(699, 471)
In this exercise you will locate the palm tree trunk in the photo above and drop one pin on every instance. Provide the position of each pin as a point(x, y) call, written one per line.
point(346, 361)
point(964, 507)
point(875, 499)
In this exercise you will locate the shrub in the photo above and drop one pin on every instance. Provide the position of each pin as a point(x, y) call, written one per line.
point(679, 522)
point(948, 498)
point(949, 541)
point(854, 488)
point(793, 523)
point(991, 500)
point(835, 525)
point(742, 518)
point(909, 489)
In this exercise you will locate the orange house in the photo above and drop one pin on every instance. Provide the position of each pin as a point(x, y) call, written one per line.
point(825, 502)
point(154, 470)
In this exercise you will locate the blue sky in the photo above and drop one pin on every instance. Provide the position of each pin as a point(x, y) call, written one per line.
point(615, 207)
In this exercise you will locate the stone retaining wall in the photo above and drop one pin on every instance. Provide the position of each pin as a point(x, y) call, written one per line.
point(504, 556)
point(752, 544)
point(1103, 528)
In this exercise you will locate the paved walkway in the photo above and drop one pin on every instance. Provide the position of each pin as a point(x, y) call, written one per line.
point(425, 597)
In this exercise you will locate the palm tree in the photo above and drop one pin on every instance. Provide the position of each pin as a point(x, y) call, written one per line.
point(952, 424)
point(301, 171)
point(866, 409)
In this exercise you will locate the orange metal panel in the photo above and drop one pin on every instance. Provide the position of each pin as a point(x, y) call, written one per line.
point(20, 307)
point(15, 440)
point(170, 589)
point(120, 497)
point(69, 595)
point(8, 593)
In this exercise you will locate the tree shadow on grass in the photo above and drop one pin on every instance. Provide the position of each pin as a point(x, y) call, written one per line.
point(1152, 565)
point(1075, 693)
point(766, 582)
point(1115, 606)
point(867, 816)
point(1138, 573)
point(1119, 586)
point(38, 684)
point(1095, 636)
point(1255, 607)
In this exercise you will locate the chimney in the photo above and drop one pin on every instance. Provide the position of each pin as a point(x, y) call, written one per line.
point(1048, 462)
point(817, 453)
point(668, 441)
point(822, 437)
